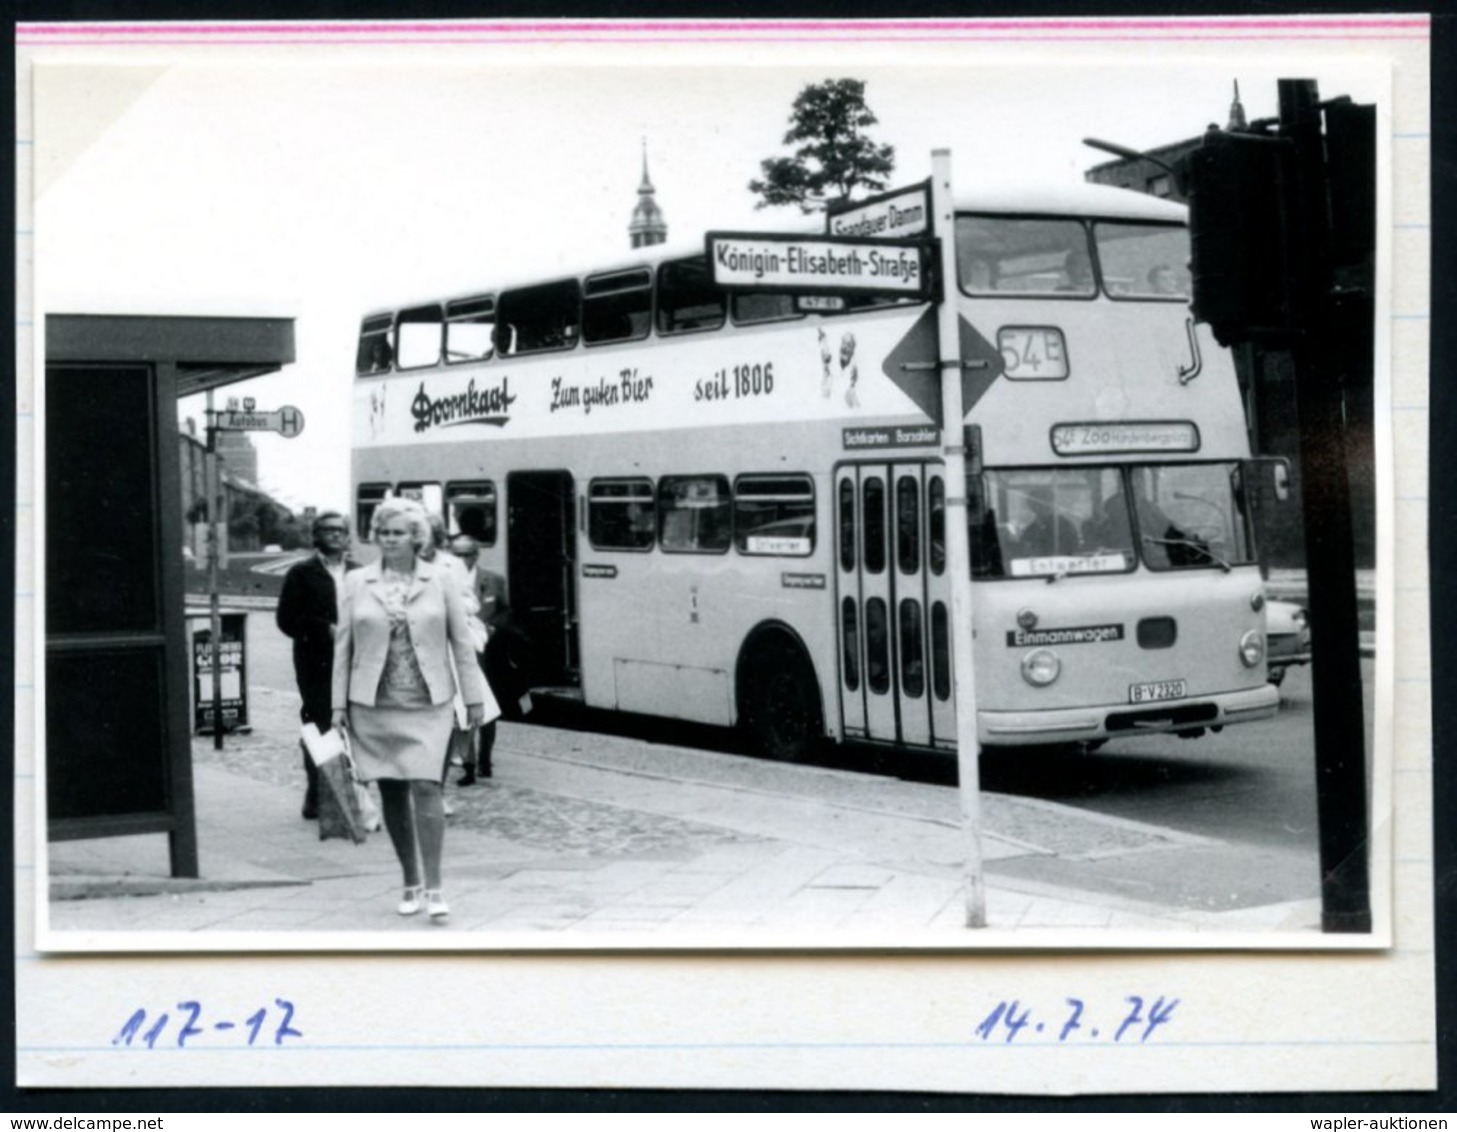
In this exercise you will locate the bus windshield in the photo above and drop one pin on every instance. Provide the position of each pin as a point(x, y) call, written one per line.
point(1051, 257)
point(1143, 261)
point(1052, 522)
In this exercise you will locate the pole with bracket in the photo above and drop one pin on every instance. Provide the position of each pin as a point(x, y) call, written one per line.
point(215, 615)
point(1323, 365)
point(958, 548)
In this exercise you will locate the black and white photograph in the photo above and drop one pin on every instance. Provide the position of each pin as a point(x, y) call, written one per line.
point(536, 494)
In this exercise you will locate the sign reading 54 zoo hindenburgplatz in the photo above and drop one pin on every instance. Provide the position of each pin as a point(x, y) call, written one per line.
point(759, 261)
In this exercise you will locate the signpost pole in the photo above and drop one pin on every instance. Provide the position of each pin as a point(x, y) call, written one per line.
point(214, 545)
point(958, 549)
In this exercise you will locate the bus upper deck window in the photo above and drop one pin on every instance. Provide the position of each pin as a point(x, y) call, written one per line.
point(419, 337)
point(617, 307)
point(375, 352)
point(753, 306)
point(688, 299)
point(469, 330)
point(1144, 261)
point(1024, 255)
point(545, 317)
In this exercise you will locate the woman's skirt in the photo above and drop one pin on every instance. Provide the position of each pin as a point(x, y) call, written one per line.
point(396, 742)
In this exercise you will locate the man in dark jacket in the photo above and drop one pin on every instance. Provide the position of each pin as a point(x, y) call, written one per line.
point(308, 609)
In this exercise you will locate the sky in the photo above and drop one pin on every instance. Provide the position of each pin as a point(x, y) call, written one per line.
point(318, 186)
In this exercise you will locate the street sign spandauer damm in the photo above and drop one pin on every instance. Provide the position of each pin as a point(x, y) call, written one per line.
point(762, 261)
point(896, 215)
point(287, 421)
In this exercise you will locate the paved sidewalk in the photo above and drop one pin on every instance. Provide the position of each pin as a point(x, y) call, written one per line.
point(584, 838)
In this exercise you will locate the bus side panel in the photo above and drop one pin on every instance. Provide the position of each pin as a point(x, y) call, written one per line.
point(704, 695)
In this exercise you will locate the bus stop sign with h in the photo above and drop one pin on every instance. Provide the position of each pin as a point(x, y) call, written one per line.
point(241, 416)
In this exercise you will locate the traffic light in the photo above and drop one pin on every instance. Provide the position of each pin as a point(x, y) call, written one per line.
point(1244, 236)
point(1350, 161)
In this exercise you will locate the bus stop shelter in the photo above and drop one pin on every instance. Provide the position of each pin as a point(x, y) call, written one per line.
point(118, 732)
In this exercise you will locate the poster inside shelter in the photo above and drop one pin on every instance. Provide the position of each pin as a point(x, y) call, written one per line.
point(575, 435)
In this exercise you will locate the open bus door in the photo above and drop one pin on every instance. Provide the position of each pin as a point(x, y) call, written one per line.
point(541, 551)
point(894, 600)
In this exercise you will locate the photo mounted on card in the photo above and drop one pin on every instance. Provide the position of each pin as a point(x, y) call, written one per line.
point(737, 502)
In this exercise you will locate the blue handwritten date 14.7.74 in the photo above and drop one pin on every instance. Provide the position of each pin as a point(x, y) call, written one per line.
point(1136, 1021)
point(190, 1024)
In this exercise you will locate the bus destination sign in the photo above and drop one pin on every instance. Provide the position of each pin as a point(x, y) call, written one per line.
point(1089, 438)
point(762, 261)
point(896, 215)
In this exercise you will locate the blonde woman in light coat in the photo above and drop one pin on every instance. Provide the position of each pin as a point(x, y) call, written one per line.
point(400, 621)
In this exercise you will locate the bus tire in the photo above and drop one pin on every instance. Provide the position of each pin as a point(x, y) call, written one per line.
point(781, 702)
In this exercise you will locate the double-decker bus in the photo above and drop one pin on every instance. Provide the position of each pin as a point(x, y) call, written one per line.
point(730, 507)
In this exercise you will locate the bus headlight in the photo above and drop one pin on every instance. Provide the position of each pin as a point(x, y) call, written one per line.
point(1041, 668)
point(1251, 648)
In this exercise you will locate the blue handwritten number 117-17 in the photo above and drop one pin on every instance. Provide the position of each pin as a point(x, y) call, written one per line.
point(189, 1028)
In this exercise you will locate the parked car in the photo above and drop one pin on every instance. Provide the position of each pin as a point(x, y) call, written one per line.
point(1287, 638)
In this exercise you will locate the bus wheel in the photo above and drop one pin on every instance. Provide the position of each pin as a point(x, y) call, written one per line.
point(781, 704)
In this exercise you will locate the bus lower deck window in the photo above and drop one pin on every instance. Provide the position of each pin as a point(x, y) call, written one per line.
point(366, 499)
point(470, 509)
point(695, 514)
point(620, 514)
point(774, 515)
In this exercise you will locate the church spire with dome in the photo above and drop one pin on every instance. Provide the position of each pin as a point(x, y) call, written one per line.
point(647, 226)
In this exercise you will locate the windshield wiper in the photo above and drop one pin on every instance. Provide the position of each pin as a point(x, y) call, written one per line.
point(1194, 546)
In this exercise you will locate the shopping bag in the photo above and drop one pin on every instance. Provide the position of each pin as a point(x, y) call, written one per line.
point(368, 808)
point(461, 750)
point(339, 811)
point(321, 745)
point(492, 708)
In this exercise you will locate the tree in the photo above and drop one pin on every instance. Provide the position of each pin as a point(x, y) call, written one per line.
point(834, 156)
